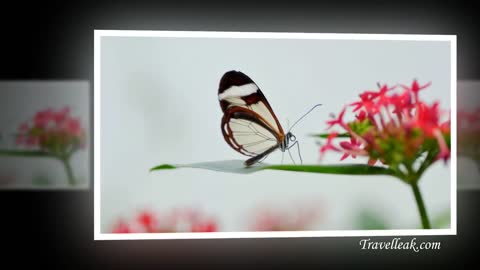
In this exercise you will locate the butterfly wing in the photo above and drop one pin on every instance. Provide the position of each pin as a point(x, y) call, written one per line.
point(246, 132)
point(248, 125)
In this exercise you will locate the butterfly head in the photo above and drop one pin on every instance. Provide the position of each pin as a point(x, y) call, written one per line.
point(289, 138)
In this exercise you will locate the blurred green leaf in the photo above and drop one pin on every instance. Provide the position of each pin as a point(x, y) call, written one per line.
point(24, 153)
point(325, 135)
point(41, 180)
point(369, 220)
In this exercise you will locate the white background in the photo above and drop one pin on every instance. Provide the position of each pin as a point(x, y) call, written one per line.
point(159, 105)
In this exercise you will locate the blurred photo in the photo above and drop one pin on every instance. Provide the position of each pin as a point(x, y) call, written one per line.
point(45, 135)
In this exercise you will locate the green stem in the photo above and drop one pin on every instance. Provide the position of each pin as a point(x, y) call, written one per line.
point(68, 169)
point(426, 163)
point(421, 205)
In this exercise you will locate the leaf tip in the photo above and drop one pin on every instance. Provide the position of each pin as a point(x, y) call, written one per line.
point(163, 167)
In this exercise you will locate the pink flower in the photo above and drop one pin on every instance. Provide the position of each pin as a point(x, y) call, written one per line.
point(362, 116)
point(444, 150)
point(177, 220)
point(329, 144)
point(61, 116)
point(73, 127)
point(296, 218)
point(399, 124)
point(121, 227)
point(205, 226)
point(427, 118)
point(415, 88)
point(370, 99)
point(42, 118)
point(147, 220)
point(371, 95)
point(338, 121)
point(352, 148)
point(52, 131)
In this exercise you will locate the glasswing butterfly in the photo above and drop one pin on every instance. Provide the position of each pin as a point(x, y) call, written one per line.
point(249, 124)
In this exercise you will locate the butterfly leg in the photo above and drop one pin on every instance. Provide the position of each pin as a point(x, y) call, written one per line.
point(290, 154)
point(299, 155)
point(298, 148)
point(283, 153)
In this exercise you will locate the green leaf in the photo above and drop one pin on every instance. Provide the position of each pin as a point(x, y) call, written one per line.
point(348, 169)
point(24, 153)
point(231, 166)
point(237, 166)
point(163, 167)
point(325, 135)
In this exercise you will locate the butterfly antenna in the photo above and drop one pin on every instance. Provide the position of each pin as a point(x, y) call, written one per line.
point(303, 116)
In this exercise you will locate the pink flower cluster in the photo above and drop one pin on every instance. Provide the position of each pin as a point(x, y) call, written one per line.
point(51, 130)
point(177, 220)
point(391, 126)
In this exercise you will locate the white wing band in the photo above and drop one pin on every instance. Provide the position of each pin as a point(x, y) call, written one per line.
point(238, 91)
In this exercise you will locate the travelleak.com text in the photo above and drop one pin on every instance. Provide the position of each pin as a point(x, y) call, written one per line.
point(398, 244)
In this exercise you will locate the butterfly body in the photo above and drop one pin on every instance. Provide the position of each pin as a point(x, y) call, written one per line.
point(249, 124)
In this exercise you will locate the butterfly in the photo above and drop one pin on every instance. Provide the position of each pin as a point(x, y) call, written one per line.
point(249, 124)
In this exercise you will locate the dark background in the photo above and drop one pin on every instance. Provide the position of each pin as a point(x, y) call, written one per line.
point(49, 41)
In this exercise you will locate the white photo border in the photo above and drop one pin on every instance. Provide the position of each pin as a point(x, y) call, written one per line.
point(98, 34)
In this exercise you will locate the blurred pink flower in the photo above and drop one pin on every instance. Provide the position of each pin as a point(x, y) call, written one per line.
point(62, 115)
point(468, 122)
point(176, 220)
point(53, 131)
point(147, 220)
point(299, 218)
point(41, 118)
point(121, 227)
